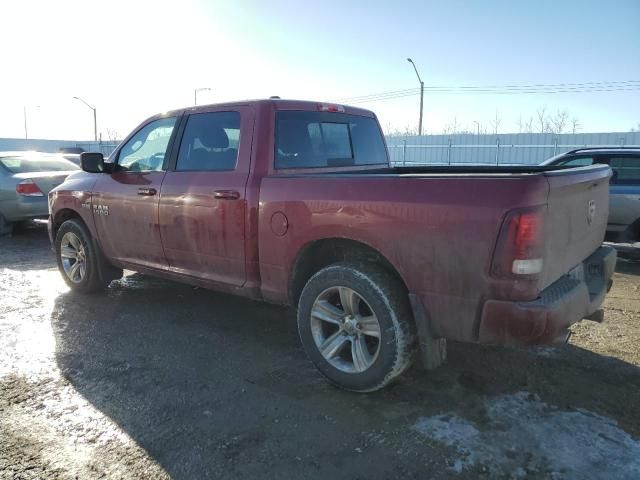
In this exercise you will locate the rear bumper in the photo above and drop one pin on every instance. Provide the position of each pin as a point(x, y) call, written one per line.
point(568, 300)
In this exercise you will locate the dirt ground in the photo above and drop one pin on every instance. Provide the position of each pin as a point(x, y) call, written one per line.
point(160, 380)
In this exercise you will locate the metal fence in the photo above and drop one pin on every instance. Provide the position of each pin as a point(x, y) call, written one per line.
point(520, 148)
point(104, 147)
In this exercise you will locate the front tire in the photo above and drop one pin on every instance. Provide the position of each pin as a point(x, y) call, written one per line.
point(354, 322)
point(80, 262)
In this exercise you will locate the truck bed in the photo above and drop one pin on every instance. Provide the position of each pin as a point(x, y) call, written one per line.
point(437, 226)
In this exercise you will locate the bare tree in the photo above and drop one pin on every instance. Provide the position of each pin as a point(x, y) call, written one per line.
point(112, 135)
point(409, 131)
point(543, 123)
point(495, 123)
point(525, 125)
point(559, 121)
point(450, 128)
point(636, 128)
point(575, 125)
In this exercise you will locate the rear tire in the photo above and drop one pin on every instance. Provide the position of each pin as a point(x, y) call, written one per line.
point(80, 261)
point(355, 324)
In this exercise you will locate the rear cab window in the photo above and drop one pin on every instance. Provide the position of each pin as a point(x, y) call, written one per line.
point(326, 139)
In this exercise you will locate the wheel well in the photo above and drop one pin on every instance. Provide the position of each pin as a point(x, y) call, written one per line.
point(62, 216)
point(322, 253)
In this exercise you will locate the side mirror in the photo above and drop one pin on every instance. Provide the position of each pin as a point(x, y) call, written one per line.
point(92, 162)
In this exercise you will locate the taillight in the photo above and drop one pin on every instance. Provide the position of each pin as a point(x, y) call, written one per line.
point(520, 247)
point(328, 107)
point(28, 188)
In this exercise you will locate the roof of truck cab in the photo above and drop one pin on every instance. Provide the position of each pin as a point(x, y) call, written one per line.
point(272, 103)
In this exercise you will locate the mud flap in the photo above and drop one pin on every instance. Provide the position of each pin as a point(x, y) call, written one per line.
point(433, 350)
point(106, 271)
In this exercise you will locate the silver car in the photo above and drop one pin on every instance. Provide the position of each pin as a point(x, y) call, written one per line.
point(624, 199)
point(25, 180)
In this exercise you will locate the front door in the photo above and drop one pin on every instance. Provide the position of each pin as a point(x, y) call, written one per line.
point(125, 202)
point(203, 204)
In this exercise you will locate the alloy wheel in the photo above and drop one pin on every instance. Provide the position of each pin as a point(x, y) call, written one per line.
point(345, 329)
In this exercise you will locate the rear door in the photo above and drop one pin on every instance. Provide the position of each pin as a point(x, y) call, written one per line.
point(203, 204)
point(125, 202)
point(625, 191)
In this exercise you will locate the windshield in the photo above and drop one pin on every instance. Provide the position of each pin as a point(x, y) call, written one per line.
point(37, 164)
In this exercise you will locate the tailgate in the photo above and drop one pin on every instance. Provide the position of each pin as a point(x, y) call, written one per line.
point(578, 207)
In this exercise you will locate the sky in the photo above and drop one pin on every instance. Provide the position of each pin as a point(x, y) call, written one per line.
point(131, 59)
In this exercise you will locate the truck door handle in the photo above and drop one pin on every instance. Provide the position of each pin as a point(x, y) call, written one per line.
point(147, 192)
point(227, 194)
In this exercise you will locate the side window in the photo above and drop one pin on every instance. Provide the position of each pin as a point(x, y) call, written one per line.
point(210, 142)
point(577, 162)
point(626, 170)
point(145, 151)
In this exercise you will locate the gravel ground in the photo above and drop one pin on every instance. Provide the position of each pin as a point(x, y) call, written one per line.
point(160, 380)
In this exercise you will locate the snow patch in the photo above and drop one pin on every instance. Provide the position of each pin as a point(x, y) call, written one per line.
point(547, 351)
point(524, 435)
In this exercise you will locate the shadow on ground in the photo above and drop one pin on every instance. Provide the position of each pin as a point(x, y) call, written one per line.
point(28, 248)
point(214, 385)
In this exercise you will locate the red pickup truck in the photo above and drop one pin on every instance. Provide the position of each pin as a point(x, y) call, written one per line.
point(295, 202)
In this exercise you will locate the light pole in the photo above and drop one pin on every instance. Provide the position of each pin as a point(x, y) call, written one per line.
point(24, 111)
point(195, 93)
point(421, 94)
point(95, 122)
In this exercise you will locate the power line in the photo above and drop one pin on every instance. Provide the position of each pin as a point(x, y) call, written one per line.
point(584, 87)
point(550, 85)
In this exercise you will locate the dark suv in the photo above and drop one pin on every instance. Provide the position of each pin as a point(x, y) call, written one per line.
point(624, 205)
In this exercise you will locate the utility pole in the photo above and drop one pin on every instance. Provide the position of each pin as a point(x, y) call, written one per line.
point(421, 94)
point(24, 112)
point(195, 93)
point(95, 121)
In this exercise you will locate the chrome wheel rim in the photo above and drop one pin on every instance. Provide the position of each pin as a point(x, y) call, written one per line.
point(73, 256)
point(345, 330)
